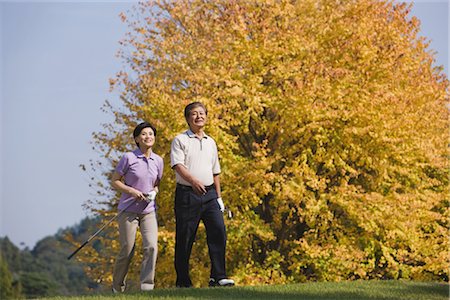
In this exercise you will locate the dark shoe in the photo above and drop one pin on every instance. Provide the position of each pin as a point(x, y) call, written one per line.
point(221, 282)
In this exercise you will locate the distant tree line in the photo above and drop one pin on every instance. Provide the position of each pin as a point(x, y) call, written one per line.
point(44, 270)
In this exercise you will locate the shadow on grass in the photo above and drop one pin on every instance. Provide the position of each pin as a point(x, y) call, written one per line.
point(428, 290)
point(315, 291)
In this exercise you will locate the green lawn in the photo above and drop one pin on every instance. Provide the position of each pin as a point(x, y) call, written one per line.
point(316, 290)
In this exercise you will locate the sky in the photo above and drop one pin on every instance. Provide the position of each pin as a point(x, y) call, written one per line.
point(56, 59)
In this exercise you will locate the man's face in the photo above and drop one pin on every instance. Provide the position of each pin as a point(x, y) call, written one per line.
point(197, 117)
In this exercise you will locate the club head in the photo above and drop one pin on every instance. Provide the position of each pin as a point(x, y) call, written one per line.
point(229, 213)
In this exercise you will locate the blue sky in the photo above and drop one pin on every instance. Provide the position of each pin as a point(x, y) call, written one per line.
point(56, 59)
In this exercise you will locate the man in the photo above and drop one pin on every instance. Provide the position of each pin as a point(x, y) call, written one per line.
point(197, 197)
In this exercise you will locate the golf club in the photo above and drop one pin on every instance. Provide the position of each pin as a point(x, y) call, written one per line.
point(229, 213)
point(150, 197)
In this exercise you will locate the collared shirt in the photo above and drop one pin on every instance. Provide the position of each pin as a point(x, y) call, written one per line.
point(198, 155)
point(142, 174)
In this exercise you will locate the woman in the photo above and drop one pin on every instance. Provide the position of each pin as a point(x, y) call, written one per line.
point(137, 176)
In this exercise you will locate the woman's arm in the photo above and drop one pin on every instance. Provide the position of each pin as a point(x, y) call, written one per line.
point(117, 183)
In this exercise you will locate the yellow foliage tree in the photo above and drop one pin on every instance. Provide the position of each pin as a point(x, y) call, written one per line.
point(332, 130)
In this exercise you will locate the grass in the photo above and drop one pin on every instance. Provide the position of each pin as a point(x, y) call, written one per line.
point(388, 290)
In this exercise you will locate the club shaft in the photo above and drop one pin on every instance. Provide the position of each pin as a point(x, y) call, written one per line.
point(98, 231)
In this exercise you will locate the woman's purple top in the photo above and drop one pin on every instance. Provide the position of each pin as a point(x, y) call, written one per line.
point(142, 174)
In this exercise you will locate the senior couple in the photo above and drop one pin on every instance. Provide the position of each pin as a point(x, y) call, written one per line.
point(194, 159)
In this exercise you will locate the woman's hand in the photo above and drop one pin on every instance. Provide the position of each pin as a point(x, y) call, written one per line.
point(117, 183)
point(138, 195)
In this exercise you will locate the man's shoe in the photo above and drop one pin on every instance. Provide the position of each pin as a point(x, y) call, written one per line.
point(221, 282)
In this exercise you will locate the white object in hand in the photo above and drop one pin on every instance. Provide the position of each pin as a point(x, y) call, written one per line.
point(220, 201)
point(151, 196)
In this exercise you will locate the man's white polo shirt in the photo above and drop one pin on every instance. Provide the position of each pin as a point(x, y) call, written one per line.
point(199, 156)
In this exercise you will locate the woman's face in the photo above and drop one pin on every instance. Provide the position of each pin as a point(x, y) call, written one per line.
point(146, 138)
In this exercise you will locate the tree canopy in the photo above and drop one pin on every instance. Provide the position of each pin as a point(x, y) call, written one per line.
point(332, 127)
point(44, 271)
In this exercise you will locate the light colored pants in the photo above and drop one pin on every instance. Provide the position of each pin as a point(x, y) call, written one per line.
point(128, 223)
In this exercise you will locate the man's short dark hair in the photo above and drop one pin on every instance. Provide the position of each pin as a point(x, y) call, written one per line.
point(191, 106)
point(140, 127)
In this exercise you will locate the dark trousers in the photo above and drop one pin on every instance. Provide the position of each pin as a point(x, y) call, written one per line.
point(190, 208)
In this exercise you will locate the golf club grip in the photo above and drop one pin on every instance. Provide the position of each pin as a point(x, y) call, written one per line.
point(76, 251)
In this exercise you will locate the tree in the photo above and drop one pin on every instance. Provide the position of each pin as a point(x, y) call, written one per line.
point(44, 271)
point(37, 284)
point(331, 124)
point(10, 253)
point(9, 288)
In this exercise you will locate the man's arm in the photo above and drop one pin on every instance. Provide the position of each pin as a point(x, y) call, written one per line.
point(219, 197)
point(177, 158)
point(197, 186)
point(217, 185)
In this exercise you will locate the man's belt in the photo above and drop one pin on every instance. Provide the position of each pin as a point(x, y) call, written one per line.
point(189, 188)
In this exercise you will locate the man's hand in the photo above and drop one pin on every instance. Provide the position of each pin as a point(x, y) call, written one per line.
point(198, 187)
point(220, 201)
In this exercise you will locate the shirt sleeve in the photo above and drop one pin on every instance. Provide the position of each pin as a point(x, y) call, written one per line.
point(160, 168)
point(122, 166)
point(176, 153)
point(216, 164)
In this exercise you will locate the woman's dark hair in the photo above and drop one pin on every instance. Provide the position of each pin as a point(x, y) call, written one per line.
point(140, 127)
point(191, 106)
